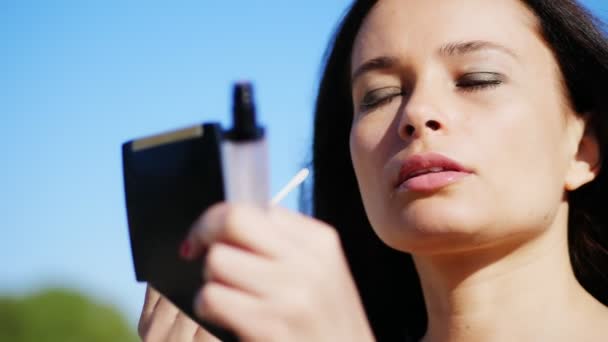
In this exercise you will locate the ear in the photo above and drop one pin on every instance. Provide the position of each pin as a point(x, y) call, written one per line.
point(585, 165)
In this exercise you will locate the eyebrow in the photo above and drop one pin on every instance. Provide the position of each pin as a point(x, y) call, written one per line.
point(449, 49)
point(378, 63)
point(463, 48)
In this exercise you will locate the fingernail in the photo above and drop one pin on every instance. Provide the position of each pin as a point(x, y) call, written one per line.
point(184, 249)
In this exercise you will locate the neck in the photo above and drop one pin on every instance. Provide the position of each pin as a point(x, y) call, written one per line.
point(509, 291)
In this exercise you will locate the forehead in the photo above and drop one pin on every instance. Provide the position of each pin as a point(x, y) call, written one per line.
point(397, 27)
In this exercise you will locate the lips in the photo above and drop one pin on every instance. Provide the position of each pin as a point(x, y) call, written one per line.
point(429, 171)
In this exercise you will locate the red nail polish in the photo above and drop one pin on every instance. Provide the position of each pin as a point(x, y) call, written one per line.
point(184, 249)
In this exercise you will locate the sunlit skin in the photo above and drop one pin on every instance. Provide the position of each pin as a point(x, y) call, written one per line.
point(474, 81)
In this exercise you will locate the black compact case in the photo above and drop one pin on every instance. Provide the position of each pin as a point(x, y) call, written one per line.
point(170, 179)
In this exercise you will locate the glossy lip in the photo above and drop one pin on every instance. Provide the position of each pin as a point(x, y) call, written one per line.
point(419, 162)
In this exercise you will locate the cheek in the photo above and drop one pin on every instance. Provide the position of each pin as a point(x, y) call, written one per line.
point(523, 165)
point(369, 148)
point(362, 145)
point(368, 145)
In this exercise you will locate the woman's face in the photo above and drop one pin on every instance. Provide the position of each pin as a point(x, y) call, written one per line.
point(471, 81)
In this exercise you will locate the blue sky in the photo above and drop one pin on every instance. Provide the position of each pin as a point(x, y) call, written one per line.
point(81, 77)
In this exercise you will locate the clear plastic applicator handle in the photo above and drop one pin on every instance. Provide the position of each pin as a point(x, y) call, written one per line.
point(245, 153)
point(245, 168)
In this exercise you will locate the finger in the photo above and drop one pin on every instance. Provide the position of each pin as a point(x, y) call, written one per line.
point(239, 269)
point(297, 222)
point(183, 329)
point(161, 321)
point(245, 226)
point(303, 231)
point(227, 307)
point(151, 300)
point(203, 335)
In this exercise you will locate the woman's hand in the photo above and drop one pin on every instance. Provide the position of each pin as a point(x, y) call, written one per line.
point(275, 275)
point(160, 321)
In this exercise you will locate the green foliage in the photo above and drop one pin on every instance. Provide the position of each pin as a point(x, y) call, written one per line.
point(61, 315)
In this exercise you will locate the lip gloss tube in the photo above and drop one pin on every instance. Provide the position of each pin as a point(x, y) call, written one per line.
point(245, 152)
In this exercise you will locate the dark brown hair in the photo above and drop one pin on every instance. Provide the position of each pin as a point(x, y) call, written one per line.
point(387, 280)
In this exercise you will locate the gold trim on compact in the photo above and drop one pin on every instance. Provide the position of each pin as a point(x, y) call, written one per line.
point(168, 137)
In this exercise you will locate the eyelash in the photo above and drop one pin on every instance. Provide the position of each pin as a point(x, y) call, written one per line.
point(469, 86)
point(479, 85)
point(367, 105)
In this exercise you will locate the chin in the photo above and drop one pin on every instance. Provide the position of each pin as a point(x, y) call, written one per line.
point(434, 225)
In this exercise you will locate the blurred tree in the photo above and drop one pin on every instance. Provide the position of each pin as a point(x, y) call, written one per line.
point(61, 315)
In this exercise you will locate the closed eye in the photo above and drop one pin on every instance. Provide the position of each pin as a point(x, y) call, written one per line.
point(379, 97)
point(479, 80)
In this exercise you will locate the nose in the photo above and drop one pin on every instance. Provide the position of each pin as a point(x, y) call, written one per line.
point(421, 115)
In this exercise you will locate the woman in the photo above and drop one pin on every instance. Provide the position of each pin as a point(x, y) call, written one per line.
point(466, 135)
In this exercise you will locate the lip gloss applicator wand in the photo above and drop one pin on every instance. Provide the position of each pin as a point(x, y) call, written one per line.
point(245, 152)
